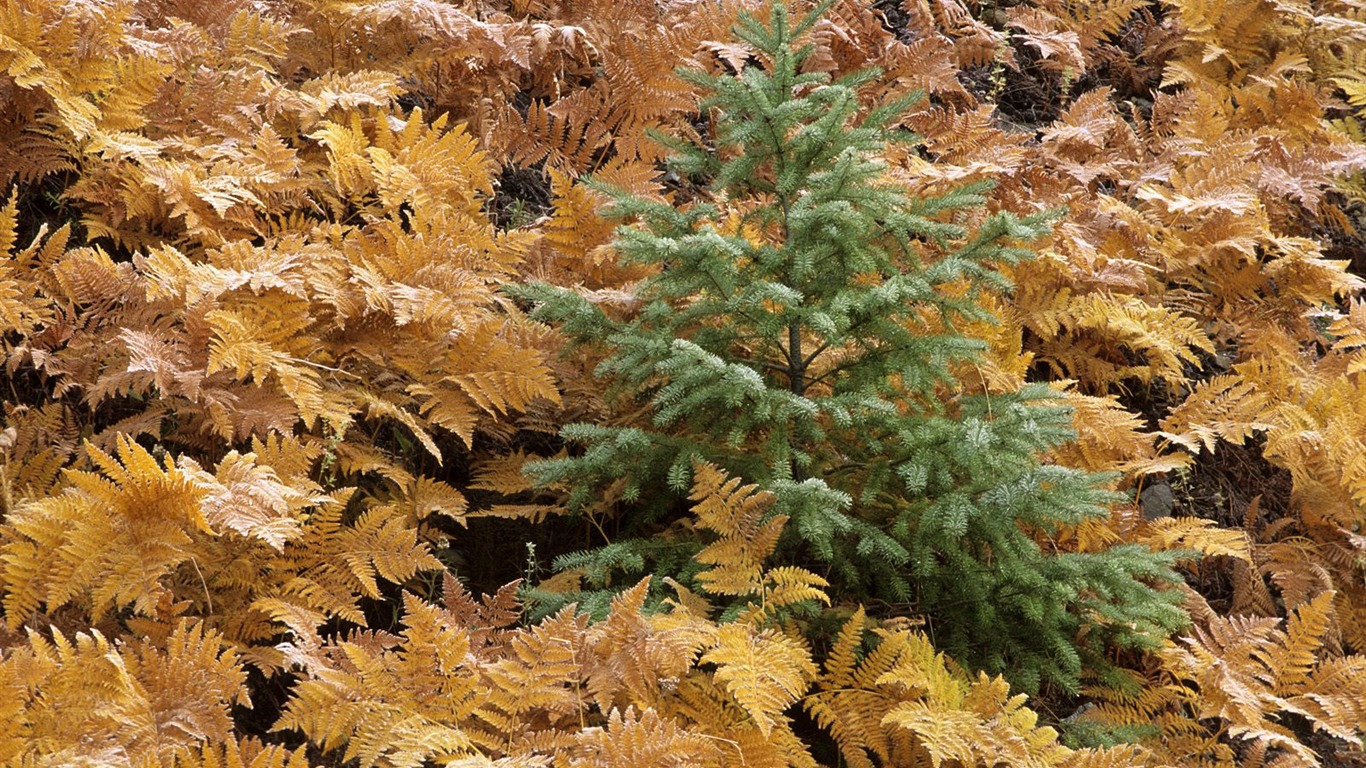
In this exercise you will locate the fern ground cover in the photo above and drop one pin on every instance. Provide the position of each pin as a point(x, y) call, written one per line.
point(674, 383)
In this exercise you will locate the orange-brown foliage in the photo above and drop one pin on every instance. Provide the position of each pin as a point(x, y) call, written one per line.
point(259, 371)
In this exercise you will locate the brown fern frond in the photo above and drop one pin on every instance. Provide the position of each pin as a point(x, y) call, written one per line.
point(1249, 670)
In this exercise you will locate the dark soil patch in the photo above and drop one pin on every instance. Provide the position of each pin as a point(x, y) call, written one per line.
point(521, 196)
point(42, 204)
point(1221, 484)
point(1132, 61)
point(1333, 753)
point(894, 19)
point(1033, 94)
point(1341, 234)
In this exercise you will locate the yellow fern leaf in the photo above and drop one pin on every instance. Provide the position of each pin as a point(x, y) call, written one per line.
point(839, 665)
point(243, 753)
point(946, 734)
point(1249, 671)
point(644, 739)
point(86, 700)
point(1119, 756)
point(248, 497)
point(1294, 661)
point(765, 671)
point(788, 585)
point(115, 534)
point(1196, 533)
point(537, 673)
point(348, 91)
point(634, 657)
point(388, 706)
point(735, 512)
point(1225, 406)
point(381, 543)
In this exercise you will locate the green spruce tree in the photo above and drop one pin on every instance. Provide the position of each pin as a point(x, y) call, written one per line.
point(801, 332)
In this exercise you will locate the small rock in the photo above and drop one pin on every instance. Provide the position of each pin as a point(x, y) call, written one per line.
point(1157, 501)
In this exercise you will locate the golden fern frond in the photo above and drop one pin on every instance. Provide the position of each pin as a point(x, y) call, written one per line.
point(355, 459)
point(963, 145)
point(1222, 407)
point(1201, 535)
point(1109, 436)
point(701, 700)
point(503, 475)
point(428, 497)
point(844, 703)
point(574, 241)
point(509, 377)
point(839, 664)
point(248, 497)
point(1294, 662)
point(975, 43)
point(1227, 35)
point(636, 657)
point(1332, 698)
point(291, 458)
point(137, 83)
point(260, 342)
point(357, 700)
point(257, 41)
point(114, 534)
point(381, 405)
point(1118, 756)
point(86, 700)
point(1059, 48)
point(1094, 22)
point(952, 734)
point(736, 513)
point(566, 144)
point(333, 563)
point(1085, 333)
point(36, 445)
point(723, 506)
point(951, 716)
point(191, 679)
point(348, 91)
point(90, 276)
point(381, 543)
point(243, 753)
point(642, 739)
point(487, 619)
point(1159, 711)
point(22, 308)
point(538, 672)
point(1250, 592)
point(1349, 334)
point(764, 671)
point(641, 75)
point(1299, 272)
point(906, 704)
point(788, 585)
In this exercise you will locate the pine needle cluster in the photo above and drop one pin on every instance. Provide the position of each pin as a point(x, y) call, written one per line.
point(802, 329)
